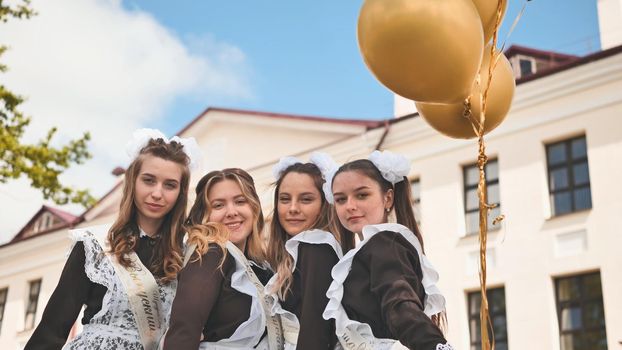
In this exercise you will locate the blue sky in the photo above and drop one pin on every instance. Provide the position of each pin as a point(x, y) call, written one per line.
point(303, 56)
point(112, 66)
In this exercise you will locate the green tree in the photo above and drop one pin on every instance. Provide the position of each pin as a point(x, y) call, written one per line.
point(40, 162)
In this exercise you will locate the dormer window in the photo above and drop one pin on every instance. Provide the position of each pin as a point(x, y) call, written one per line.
point(527, 62)
point(526, 65)
point(45, 222)
point(47, 219)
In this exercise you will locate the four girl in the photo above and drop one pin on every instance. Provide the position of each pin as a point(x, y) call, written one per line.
point(220, 282)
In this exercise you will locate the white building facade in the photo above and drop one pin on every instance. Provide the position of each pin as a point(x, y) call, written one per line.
point(554, 268)
point(554, 262)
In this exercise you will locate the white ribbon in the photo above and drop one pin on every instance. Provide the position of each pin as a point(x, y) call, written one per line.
point(323, 161)
point(141, 137)
point(328, 168)
point(393, 167)
point(284, 163)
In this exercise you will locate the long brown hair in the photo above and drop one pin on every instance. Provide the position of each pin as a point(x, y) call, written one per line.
point(202, 232)
point(277, 255)
point(122, 237)
point(402, 204)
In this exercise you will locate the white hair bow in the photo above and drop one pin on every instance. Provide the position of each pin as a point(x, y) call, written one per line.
point(393, 167)
point(328, 168)
point(323, 161)
point(284, 163)
point(140, 139)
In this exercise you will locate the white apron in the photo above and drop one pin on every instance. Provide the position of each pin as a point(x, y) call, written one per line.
point(135, 322)
point(289, 321)
point(250, 331)
point(355, 335)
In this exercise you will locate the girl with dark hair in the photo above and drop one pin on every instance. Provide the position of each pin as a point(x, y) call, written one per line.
point(126, 273)
point(384, 293)
point(303, 252)
point(220, 302)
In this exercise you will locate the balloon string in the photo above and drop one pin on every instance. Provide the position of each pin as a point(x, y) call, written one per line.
point(483, 223)
point(487, 340)
point(518, 17)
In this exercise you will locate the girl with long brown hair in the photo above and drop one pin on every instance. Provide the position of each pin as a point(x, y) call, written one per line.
point(384, 293)
point(219, 302)
point(125, 274)
point(303, 252)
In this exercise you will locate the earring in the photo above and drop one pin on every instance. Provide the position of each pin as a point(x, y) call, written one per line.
point(387, 209)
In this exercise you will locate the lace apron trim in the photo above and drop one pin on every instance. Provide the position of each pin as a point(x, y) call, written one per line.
point(356, 335)
point(291, 325)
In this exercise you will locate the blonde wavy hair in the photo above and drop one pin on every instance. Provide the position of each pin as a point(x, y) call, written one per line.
point(122, 237)
point(277, 255)
point(202, 232)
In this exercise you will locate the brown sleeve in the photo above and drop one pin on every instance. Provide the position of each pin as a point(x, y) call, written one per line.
point(315, 263)
point(64, 305)
point(394, 279)
point(197, 292)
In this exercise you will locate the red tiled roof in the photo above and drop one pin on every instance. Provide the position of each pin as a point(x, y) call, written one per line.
point(65, 216)
point(68, 220)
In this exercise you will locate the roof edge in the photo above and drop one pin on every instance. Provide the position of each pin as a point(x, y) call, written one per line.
point(578, 62)
point(369, 124)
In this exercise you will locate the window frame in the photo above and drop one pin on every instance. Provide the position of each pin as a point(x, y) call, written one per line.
point(4, 295)
point(568, 165)
point(581, 301)
point(517, 69)
point(32, 303)
point(474, 315)
point(468, 187)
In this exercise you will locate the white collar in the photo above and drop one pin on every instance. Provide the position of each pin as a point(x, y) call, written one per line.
point(145, 234)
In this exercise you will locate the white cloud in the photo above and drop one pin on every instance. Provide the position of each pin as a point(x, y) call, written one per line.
point(91, 65)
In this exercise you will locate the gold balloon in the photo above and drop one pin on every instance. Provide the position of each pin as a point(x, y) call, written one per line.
point(424, 50)
point(488, 14)
point(449, 119)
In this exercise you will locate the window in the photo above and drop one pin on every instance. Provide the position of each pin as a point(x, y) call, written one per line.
point(415, 190)
point(569, 179)
point(526, 66)
point(580, 312)
point(3, 295)
point(31, 307)
point(45, 222)
point(471, 200)
point(496, 308)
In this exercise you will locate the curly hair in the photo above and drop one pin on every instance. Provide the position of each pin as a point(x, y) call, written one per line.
point(202, 232)
point(122, 237)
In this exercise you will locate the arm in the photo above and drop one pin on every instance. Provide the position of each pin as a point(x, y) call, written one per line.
point(394, 279)
point(315, 262)
point(64, 305)
point(197, 292)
